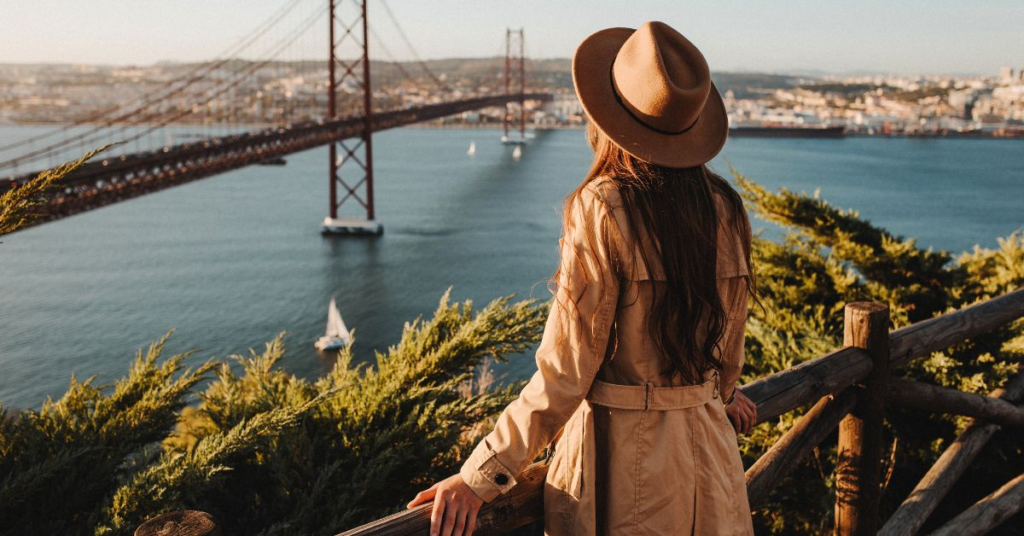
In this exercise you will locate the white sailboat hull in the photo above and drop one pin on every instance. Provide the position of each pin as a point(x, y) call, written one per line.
point(516, 139)
point(328, 344)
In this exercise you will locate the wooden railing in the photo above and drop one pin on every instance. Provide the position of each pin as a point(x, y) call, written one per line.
point(849, 389)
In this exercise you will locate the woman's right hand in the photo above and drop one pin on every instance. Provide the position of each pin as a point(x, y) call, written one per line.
point(455, 507)
point(742, 412)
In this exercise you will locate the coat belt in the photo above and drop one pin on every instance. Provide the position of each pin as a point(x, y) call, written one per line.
point(649, 397)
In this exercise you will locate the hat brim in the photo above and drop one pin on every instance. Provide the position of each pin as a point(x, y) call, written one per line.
point(591, 68)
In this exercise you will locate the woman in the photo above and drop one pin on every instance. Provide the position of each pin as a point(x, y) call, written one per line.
point(637, 368)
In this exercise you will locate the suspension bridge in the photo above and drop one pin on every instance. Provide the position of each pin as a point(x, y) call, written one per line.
point(259, 111)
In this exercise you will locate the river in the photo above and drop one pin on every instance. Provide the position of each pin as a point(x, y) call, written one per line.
point(232, 260)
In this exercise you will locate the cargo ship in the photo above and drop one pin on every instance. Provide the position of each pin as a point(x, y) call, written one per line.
point(788, 132)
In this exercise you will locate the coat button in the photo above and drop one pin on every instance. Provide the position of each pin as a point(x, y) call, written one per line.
point(501, 479)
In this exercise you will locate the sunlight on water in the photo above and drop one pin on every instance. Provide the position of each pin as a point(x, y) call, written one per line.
point(233, 260)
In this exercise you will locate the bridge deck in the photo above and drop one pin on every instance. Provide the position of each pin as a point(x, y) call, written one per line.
point(119, 178)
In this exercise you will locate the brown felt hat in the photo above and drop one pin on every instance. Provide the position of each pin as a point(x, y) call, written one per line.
point(649, 90)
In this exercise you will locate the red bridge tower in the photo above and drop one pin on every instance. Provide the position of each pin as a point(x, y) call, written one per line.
point(354, 154)
point(515, 82)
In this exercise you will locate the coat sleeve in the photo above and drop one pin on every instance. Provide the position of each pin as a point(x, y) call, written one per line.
point(733, 272)
point(570, 353)
point(734, 297)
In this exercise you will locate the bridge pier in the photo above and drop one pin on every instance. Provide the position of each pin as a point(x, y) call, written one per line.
point(351, 226)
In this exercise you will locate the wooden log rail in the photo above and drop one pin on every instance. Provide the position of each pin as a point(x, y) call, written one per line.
point(850, 388)
point(952, 463)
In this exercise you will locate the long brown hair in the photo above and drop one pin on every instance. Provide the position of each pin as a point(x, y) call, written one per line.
point(677, 209)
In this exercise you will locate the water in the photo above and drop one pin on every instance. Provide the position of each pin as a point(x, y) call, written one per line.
point(232, 260)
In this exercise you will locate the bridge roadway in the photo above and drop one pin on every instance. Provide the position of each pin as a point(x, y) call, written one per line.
point(119, 178)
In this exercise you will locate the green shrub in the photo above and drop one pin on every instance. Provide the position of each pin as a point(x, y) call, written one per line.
point(263, 451)
point(830, 257)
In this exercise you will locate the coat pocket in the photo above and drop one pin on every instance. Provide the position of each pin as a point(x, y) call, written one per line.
point(579, 439)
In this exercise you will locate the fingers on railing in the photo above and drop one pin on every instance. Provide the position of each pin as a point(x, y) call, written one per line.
point(521, 506)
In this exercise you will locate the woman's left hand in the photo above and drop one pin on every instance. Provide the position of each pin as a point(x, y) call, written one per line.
point(742, 412)
point(455, 507)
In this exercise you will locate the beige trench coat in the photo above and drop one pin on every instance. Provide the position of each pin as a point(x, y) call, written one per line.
point(636, 452)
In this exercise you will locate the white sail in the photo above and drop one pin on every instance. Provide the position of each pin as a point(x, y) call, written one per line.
point(343, 331)
point(335, 325)
point(472, 148)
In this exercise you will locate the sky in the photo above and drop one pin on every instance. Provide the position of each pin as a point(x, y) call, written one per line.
point(837, 36)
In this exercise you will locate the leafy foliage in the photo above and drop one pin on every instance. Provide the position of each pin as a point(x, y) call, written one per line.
point(264, 451)
point(69, 454)
point(830, 257)
point(17, 206)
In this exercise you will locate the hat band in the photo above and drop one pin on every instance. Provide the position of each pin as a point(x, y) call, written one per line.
point(618, 98)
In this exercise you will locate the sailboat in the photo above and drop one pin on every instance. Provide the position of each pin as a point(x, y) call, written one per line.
point(337, 336)
point(517, 153)
point(472, 148)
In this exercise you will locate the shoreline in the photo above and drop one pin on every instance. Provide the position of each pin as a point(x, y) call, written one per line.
point(497, 126)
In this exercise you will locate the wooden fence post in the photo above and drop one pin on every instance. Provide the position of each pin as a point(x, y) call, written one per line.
point(820, 421)
point(866, 326)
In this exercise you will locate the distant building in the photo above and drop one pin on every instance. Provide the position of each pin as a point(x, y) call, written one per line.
point(1006, 75)
point(565, 106)
point(962, 102)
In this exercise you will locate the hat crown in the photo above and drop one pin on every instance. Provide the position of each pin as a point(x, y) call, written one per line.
point(661, 78)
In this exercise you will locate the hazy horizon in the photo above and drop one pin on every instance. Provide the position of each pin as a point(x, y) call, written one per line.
point(785, 72)
point(915, 37)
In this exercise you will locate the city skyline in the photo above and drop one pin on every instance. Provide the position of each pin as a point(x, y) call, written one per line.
point(841, 37)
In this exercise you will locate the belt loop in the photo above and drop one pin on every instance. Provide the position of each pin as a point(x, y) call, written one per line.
point(647, 395)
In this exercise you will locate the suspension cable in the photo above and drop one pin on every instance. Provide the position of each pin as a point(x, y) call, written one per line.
point(252, 69)
point(195, 74)
point(384, 48)
point(92, 136)
point(440, 83)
